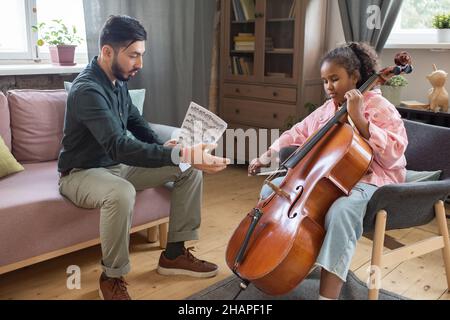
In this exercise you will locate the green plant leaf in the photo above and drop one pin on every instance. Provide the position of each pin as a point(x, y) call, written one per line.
point(56, 33)
point(397, 81)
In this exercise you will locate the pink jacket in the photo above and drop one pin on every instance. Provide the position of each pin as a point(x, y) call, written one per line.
point(387, 137)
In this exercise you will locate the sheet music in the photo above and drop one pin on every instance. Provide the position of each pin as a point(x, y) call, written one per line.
point(200, 126)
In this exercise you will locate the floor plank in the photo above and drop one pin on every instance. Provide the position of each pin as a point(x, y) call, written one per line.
point(228, 196)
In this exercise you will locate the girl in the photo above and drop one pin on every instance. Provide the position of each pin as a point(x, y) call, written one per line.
point(343, 70)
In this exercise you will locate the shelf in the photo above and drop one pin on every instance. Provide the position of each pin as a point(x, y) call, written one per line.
point(30, 69)
point(280, 51)
point(281, 20)
point(242, 51)
point(242, 22)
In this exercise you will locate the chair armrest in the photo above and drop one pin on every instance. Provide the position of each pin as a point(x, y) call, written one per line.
point(164, 132)
point(407, 204)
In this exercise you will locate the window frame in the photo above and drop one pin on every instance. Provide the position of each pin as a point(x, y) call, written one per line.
point(413, 38)
point(30, 19)
point(32, 37)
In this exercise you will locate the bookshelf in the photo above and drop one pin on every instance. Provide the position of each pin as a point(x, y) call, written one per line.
point(270, 52)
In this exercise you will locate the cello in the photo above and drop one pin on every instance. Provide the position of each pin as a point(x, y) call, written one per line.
point(277, 243)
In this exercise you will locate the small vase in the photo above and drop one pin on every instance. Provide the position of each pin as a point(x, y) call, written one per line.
point(443, 35)
point(393, 94)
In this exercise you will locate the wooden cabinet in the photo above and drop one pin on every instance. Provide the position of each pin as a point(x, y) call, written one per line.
point(270, 53)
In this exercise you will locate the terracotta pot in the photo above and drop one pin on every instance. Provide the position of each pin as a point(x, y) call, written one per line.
point(63, 55)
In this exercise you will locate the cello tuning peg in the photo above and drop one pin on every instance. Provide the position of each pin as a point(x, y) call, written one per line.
point(402, 69)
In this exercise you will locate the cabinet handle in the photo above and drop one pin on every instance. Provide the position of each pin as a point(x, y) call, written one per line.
point(237, 111)
point(259, 15)
point(237, 90)
point(275, 116)
point(275, 94)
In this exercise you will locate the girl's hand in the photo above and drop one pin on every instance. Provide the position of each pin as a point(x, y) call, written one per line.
point(355, 104)
point(258, 163)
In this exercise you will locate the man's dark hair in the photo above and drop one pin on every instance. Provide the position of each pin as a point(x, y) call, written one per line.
point(121, 31)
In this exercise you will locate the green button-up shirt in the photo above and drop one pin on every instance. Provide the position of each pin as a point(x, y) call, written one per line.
point(97, 117)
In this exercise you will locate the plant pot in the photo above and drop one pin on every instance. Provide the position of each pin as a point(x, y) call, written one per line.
point(443, 35)
point(393, 94)
point(63, 55)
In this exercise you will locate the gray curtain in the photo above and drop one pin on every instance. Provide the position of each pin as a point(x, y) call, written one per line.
point(356, 13)
point(177, 63)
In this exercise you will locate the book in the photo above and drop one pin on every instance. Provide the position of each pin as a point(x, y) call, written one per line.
point(292, 11)
point(248, 7)
point(244, 38)
point(238, 11)
point(415, 105)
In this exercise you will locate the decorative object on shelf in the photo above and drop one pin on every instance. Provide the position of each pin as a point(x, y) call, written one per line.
point(441, 22)
point(392, 89)
point(438, 95)
point(413, 104)
point(61, 41)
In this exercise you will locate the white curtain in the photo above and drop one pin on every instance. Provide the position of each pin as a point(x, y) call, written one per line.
point(177, 63)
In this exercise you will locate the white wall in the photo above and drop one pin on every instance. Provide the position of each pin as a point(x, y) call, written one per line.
point(423, 59)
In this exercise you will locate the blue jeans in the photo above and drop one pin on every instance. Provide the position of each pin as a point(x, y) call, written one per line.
point(344, 226)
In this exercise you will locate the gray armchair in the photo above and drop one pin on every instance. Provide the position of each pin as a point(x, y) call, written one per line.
point(410, 204)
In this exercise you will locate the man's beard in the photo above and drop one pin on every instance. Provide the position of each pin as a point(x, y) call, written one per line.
point(119, 73)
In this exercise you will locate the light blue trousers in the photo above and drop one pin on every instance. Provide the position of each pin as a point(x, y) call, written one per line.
point(344, 226)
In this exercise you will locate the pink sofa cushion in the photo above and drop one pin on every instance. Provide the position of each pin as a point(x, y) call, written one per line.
point(5, 130)
point(37, 120)
point(36, 219)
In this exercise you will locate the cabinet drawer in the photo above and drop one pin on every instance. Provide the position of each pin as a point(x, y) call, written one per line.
point(262, 92)
point(259, 114)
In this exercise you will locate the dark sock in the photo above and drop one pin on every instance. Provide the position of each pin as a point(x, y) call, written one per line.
point(174, 250)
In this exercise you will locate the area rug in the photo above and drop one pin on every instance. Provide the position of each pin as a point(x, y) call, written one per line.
point(353, 289)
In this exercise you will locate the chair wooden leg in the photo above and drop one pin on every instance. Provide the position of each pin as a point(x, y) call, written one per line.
point(152, 234)
point(443, 230)
point(163, 230)
point(377, 251)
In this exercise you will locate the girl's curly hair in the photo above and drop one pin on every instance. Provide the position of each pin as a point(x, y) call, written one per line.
point(356, 57)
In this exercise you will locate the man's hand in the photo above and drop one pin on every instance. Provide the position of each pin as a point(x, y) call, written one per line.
point(199, 158)
point(171, 143)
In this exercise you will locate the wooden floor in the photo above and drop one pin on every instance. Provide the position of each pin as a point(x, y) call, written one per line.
point(228, 196)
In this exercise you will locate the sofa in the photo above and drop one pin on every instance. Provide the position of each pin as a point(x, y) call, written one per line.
point(37, 223)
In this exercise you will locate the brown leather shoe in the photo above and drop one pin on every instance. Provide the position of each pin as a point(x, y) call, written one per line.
point(113, 288)
point(186, 264)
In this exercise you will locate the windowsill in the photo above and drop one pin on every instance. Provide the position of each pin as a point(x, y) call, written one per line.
point(39, 68)
point(430, 46)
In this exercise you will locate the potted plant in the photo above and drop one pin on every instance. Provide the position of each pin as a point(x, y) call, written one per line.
point(392, 89)
point(61, 41)
point(442, 23)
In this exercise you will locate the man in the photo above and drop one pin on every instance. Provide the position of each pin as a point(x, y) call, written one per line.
point(101, 167)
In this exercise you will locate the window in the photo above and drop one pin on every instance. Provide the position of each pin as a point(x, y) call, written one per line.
point(414, 22)
point(20, 15)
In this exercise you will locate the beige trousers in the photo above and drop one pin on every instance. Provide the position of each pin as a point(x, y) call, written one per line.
point(113, 190)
